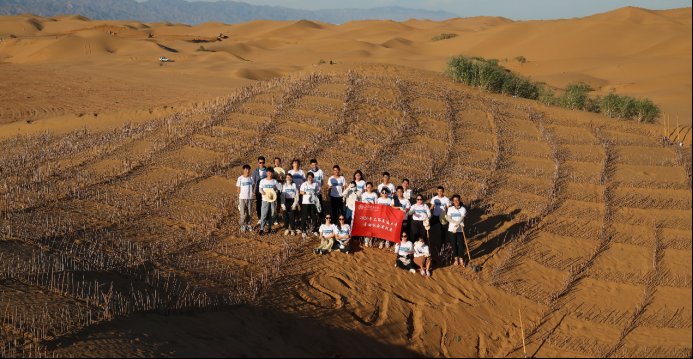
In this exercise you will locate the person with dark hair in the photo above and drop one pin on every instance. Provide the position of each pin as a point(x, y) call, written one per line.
point(297, 173)
point(360, 181)
point(405, 254)
point(351, 195)
point(406, 189)
point(245, 186)
point(269, 187)
point(439, 206)
point(343, 235)
point(289, 200)
point(279, 173)
point(386, 184)
point(328, 233)
point(336, 186)
point(422, 257)
point(403, 203)
point(420, 215)
point(368, 197)
point(319, 177)
point(455, 216)
point(309, 212)
point(385, 199)
point(258, 175)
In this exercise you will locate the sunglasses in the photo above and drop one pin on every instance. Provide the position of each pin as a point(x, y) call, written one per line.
point(262, 163)
point(328, 217)
point(342, 219)
point(419, 199)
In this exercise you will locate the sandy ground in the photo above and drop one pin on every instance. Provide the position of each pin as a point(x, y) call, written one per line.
point(119, 234)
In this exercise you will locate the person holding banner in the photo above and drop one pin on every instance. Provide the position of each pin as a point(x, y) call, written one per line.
point(343, 235)
point(455, 217)
point(403, 203)
point(419, 213)
point(328, 233)
point(368, 197)
point(308, 209)
point(386, 200)
point(405, 255)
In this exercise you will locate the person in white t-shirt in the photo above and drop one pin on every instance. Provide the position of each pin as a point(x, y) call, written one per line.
point(289, 199)
point(420, 214)
point(245, 186)
point(336, 186)
point(368, 197)
point(403, 204)
point(269, 209)
point(309, 213)
point(297, 173)
point(343, 235)
point(328, 233)
point(439, 206)
point(406, 187)
point(351, 196)
point(387, 184)
point(385, 200)
point(319, 176)
point(405, 254)
point(360, 181)
point(455, 217)
point(422, 257)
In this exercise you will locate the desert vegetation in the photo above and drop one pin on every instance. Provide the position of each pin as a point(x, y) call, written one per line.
point(444, 36)
point(490, 76)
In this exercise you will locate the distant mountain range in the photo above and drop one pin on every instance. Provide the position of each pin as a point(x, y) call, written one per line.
point(202, 11)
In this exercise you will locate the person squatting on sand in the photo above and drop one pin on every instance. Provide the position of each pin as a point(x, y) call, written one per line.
point(299, 195)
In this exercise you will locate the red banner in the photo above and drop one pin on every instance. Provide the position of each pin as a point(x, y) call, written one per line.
point(378, 221)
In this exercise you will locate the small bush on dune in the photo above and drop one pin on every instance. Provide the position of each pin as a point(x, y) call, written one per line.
point(521, 59)
point(575, 96)
point(646, 111)
point(443, 36)
point(490, 76)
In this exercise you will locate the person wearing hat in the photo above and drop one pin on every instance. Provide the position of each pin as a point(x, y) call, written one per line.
point(309, 212)
point(455, 217)
point(420, 214)
point(269, 187)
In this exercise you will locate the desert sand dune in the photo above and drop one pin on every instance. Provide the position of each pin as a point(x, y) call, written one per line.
point(118, 223)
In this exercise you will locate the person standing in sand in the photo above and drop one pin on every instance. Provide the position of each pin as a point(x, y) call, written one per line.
point(289, 200)
point(387, 184)
point(258, 175)
point(439, 206)
point(403, 203)
point(309, 213)
point(419, 213)
point(455, 217)
point(269, 187)
point(245, 186)
point(335, 185)
point(319, 177)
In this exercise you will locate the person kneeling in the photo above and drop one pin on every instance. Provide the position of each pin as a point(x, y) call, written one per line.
point(343, 236)
point(328, 232)
point(405, 255)
point(422, 257)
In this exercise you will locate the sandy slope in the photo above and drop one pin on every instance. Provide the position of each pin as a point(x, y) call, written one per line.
point(632, 51)
point(581, 223)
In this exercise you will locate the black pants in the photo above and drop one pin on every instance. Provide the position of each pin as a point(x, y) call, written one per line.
point(436, 237)
point(258, 204)
point(417, 230)
point(309, 218)
point(409, 266)
point(289, 215)
point(459, 247)
point(336, 208)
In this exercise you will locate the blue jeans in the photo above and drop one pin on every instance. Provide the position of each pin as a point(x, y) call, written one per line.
point(267, 214)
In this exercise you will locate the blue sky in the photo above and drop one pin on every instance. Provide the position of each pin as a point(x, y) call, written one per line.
point(514, 9)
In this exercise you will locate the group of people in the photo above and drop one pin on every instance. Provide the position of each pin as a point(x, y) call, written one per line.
point(297, 196)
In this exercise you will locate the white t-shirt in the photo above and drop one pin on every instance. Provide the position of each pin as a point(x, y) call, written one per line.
point(361, 186)
point(265, 183)
point(439, 205)
point(289, 191)
point(346, 229)
point(318, 175)
point(407, 194)
point(405, 205)
point(298, 177)
point(456, 217)
point(336, 186)
point(421, 250)
point(309, 189)
point(385, 201)
point(246, 185)
point(420, 212)
point(327, 230)
point(389, 186)
point(404, 249)
point(369, 197)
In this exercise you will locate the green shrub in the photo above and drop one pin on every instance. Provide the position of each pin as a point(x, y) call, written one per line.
point(575, 96)
point(443, 36)
point(488, 75)
point(646, 111)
